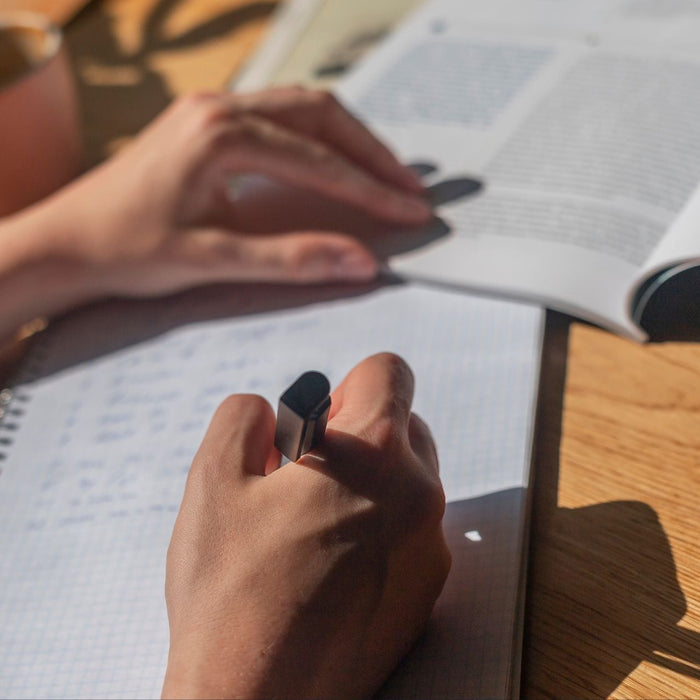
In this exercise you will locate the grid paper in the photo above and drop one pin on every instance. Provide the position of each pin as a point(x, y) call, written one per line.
point(92, 484)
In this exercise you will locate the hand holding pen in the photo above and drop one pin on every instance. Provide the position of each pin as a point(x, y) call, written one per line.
point(316, 577)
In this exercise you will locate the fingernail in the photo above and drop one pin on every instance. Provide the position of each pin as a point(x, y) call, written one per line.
point(355, 266)
point(412, 179)
point(417, 207)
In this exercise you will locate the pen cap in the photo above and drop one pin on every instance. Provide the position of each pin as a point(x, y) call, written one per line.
point(302, 415)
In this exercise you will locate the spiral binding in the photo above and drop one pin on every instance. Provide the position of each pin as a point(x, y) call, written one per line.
point(13, 400)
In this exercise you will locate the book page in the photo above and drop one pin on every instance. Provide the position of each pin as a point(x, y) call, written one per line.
point(569, 123)
point(313, 42)
point(114, 402)
point(681, 244)
point(339, 35)
point(284, 30)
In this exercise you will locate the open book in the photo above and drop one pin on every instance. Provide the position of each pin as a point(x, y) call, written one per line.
point(562, 139)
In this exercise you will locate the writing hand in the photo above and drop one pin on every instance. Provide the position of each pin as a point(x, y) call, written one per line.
point(312, 580)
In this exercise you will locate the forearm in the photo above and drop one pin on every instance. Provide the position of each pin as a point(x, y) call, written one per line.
point(38, 276)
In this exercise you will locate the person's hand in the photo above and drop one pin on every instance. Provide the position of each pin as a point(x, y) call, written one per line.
point(312, 580)
point(159, 216)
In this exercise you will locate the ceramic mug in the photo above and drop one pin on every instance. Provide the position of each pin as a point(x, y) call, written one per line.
point(40, 141)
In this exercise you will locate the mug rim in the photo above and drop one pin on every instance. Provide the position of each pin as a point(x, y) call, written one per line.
point(32, 20)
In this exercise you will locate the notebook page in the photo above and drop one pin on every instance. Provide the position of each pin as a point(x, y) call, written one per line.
point(91, 486)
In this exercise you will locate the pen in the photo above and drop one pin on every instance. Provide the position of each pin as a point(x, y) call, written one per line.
point(302, 415)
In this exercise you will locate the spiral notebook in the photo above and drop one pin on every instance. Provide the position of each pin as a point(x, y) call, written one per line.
point(102, 423)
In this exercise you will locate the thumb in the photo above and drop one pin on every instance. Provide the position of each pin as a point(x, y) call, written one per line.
point(301, 256)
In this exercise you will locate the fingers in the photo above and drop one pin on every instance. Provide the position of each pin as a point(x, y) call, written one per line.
point(238, 442)
point(255, 145)
point(320, 115)
point(374, 403)
point(379, 387)
point(311, 257)
point(299, 257)
point(340, 128)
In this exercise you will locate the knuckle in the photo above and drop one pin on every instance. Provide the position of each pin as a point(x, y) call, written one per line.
point(325, 100)
point(395, 364)
point(202, 112)
point(297, 90)
point(229, 407)
point(399, 402)
point(398, 367)
point(194, 100)
point(231, 136)
point(184, 103)
point(247, 126)
point(293, 96)
point(434, 501)
point(355, 519)
point(400, 379)
point(418, 430)
point(235, 421)
point(195, 103)
point(424, 502)
point(299, 262)
point(387, 435)
point(421, 437)
point(241, 407)
point(324, 157)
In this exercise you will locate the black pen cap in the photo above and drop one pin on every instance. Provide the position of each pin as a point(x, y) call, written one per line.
point(302, 415)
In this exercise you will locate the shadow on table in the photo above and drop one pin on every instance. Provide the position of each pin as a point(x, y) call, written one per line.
point(607, 567)
point(119, 89)
point(623, 600)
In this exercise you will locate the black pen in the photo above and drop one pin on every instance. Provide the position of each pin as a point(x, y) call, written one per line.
point(302, 415)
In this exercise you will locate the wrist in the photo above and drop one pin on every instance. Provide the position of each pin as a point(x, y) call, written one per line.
point(39, 275)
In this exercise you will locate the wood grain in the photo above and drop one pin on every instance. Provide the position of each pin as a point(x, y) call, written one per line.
point(614, 595)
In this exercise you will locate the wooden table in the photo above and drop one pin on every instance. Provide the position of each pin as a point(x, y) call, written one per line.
point(613, 604)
